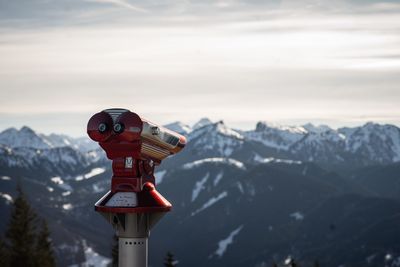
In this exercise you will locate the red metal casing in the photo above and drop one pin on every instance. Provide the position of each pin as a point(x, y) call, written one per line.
point(132, 165)
point(149, 201)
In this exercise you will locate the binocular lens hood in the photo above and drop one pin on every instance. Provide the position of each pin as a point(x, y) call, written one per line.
point(127, 127)
point(99, 127)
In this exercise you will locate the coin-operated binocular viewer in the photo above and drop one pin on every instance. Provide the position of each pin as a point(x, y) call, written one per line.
point(133, 206)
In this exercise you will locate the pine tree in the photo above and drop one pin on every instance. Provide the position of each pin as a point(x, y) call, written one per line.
point(21, 233)
point(169, 260)
point(316, 264)
point(44, 252)
point(4, 254)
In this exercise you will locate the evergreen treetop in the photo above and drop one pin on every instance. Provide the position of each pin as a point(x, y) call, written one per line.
point(26, 245)
point(21, 232)
point(44, 253)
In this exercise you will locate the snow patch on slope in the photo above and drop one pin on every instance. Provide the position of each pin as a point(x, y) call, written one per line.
point(7, 197)
point(60, 183)
point(224, 243)
point(228, 161)
point(57, 180)
point(67, 206)
point(97, 188)
point(66, 193)
point(199, 186)
point(298, 216)
point(240, 187)
point(160, 176)
point(218, 178)
point(224, 130)
point(92, 173)
point(260, 159)
point(92, 258)
point(276, 136)
point(211, 202)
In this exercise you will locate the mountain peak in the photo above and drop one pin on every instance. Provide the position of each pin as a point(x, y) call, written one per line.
point(201, 123)
point(263, 125)
point(371, 125)
point(179, 127)
point(27, 130)
point(316, 128)
point(11, 130)
point(25, 137)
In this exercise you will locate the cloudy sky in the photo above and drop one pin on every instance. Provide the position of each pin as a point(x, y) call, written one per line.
point(291, 62)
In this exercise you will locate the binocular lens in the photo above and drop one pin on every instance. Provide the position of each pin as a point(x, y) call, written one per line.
point(102, 127)
point(98, 127)
point(118, 128)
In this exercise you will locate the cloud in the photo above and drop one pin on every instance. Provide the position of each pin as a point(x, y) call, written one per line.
point(121, 3)
point(235, 61)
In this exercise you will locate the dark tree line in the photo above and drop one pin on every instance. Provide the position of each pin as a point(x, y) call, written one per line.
point(27, 240)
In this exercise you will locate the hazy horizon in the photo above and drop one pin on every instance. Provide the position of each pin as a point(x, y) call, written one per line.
point(291, 62)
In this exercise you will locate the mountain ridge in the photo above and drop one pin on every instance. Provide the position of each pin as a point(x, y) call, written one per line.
point(369, 144)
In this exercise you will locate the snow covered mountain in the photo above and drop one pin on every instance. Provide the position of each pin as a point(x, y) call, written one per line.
point(380, 143)
point(359, 146)
point(55, 154)
point(179, 127)
point(28, 138)
point(316, 129)
point(280, 188)
point(201, 123)
point(25, 137)
point(276, 136)
point(365, 145)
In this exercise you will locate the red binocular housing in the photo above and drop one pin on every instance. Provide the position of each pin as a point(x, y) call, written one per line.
point(122, 133)
point(136, 146)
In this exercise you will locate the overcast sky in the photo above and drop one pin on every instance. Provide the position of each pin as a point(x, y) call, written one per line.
point(291, 62)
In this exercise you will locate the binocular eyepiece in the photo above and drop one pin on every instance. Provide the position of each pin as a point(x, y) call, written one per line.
point(147, 139)
point(118, 128)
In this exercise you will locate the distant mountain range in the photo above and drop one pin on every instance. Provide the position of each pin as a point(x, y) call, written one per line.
point(361, 146)
point(346, 147)
point(241, 198)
